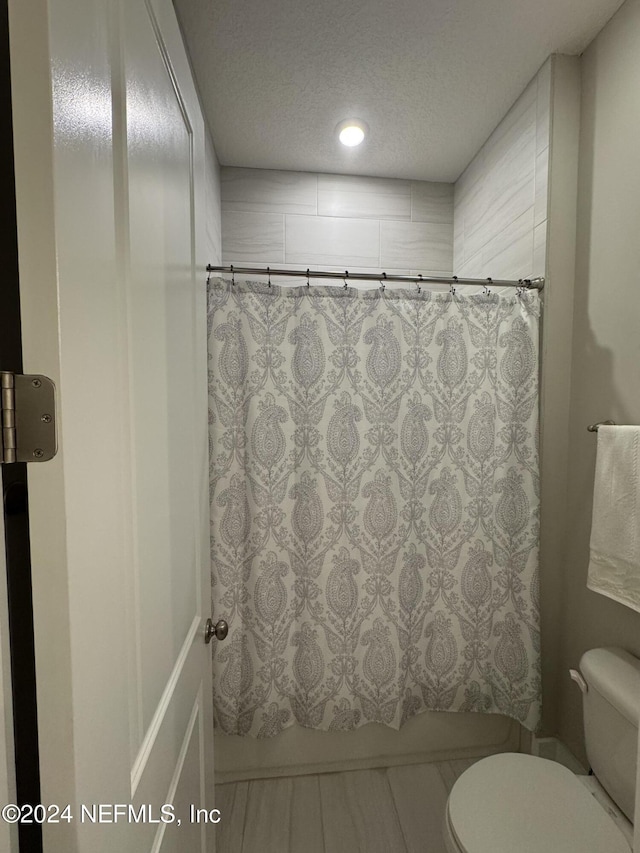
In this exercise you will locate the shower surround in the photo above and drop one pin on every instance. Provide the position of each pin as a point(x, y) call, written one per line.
point(502, 201)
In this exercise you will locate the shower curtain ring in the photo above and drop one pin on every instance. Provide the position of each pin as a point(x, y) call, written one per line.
point(486, 286)
point(308, 285)
point(419, 283)
point(384, 275)
point(269, 276)
point(452, 289)
point(346, 276)
point(233, 275)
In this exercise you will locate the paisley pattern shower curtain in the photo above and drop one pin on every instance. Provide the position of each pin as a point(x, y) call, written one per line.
point(374, 505)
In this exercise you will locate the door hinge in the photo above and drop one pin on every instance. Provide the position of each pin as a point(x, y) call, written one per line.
point(27, 417)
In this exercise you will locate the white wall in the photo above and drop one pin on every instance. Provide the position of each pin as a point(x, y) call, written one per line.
point(343, 222)
point(500, 201)
point(605, 381)
point(555, 374)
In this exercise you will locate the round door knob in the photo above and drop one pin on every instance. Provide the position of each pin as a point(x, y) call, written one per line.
point(219, 630)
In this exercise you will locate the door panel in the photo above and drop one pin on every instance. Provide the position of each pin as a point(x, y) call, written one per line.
point(8, 831)
point(162, 360)
point(114, 311)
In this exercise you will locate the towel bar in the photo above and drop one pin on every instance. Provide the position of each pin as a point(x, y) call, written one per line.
point(594, 427)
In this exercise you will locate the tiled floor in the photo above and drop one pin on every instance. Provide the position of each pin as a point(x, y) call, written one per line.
point(392, 810)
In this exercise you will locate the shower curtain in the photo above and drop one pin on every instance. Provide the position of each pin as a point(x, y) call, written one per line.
point(374, 505)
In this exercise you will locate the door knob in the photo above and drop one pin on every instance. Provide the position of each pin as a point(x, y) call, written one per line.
point(219, 630)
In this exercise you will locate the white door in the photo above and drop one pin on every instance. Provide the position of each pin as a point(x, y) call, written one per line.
point(8, 831)
point(109, 142)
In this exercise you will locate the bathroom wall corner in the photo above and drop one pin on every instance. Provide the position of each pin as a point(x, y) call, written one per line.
point(564, 132)
point(214, 203)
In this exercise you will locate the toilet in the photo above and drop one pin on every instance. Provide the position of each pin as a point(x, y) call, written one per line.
point(515, 803)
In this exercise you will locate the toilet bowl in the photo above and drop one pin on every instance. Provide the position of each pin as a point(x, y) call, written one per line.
point(512, 803)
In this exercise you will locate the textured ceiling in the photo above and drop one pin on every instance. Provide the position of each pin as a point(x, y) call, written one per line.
point(432, 78)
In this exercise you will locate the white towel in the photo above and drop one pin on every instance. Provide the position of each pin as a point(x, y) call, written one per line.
point(614, 565)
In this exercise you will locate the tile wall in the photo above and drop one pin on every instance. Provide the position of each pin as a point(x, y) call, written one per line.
point(300, 219)
point(500, 200)
point(492, 222)
point(213, 223)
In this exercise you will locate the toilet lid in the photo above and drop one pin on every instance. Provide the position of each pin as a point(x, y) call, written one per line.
point(512, 802)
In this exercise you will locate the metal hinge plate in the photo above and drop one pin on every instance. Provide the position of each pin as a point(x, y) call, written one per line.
point(27, 418)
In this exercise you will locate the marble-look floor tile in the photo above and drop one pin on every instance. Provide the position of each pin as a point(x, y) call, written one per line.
point(393, 810)
point(231, 801)
point(363, 198)
point(340, 833)
point(268, 816)
point(420, 798)
point(307, 833)
point(450, 771)
point(359, 813)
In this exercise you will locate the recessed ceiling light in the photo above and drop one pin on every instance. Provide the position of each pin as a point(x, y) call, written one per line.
point(351, 132)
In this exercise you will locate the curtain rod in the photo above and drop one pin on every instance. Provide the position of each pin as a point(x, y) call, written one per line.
point(382, 278)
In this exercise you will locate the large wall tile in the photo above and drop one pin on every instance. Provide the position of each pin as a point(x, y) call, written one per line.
point(543, 107)
point(539, 250)
point(336, 241)
point(542, 184)
point(470, 206)
point(506, 200)
point(510, 254)
point(419, 245)
point(269, 191)
point(522, 113)
point(458, 242)
point(346, 231)
point(363, 198)
point(504, 189)
point(515, 150)
point(255, 237)
point(212, 192)
point(471, 268)
point(468, 181)
point(431, 202)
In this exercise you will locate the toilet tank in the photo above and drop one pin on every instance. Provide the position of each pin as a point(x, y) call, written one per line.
point(611, 706)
